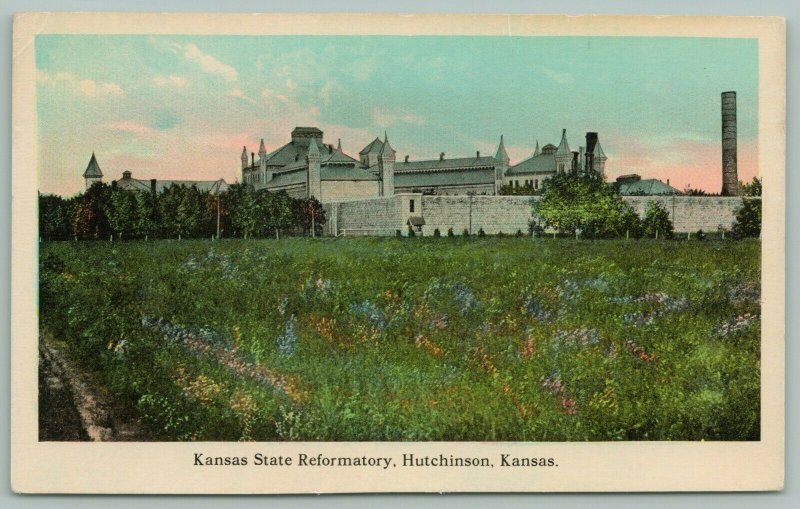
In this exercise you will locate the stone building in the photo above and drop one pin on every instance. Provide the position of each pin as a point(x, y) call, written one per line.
point(548, 161)
point(307, 166)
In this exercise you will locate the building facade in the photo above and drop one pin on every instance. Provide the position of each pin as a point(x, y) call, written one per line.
point(94, 174)
point(307, 166)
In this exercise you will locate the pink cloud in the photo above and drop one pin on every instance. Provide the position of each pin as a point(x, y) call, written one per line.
point(128, 126)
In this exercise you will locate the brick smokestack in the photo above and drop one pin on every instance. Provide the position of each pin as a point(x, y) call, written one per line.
point(730, 176)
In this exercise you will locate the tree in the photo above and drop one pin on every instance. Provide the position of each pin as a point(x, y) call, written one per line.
point(585, 204)
point(748, 216)
point(89, 219)
point(121, 211)
point(309, 215)
point(656, 222)
point(147, 217)
point(54, 217)
point(276, 212)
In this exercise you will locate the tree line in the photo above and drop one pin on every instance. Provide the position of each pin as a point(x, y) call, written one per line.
point(178, 211)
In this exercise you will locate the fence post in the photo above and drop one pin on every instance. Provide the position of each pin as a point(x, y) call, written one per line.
point(111, 238)
point(656, 234)
point(627, 234)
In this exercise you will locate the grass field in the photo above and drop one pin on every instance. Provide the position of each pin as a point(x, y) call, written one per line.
point(417, 339)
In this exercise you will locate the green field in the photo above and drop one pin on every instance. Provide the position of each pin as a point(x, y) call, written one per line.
point(417, 339)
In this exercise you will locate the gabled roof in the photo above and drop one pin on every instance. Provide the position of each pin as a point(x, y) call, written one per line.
point(646, 187)
point(563, 147)
point(92, 169)
point(211, 186)
point(291, 153)
point(339, 157)
point(542, 163)
point(374, 147)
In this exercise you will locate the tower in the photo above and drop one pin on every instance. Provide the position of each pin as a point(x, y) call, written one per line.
point(536, 151)
point(563, 154)
point(244, 158)
point(501, 167)
point(730, 177)
point(599, 159)
point(92, 173)
point(262, 164)
point(313, 162)
point(386, 168)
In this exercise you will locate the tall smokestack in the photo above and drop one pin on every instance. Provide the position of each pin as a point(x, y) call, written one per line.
point(730, 176)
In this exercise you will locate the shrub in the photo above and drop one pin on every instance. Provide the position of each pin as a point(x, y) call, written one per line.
point(437, 233)
point(450, 232)
point(501, 234)
point(518, 234)
point(656, 221)
point(465, 233)
point(481, 233)
point(700, 235)
point(748, 219)
point(398, 233)
point(411, 231)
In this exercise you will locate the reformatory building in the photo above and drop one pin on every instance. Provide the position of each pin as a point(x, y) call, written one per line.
point(307, 166)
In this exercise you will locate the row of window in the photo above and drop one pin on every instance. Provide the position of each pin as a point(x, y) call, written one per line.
point(527, 183)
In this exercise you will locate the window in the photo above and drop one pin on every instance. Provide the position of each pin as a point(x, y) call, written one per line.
point(516, 183)
point(536, 184)
point(411, 205)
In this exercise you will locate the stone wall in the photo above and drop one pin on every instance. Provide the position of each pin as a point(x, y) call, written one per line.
point(507, 214)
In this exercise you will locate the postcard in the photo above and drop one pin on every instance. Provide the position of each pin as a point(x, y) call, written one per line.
point(323, 253)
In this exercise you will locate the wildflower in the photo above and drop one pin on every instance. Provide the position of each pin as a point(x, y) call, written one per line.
point(583, 337)
point(366, 309)
point(535, 309)
point(639, 352)
point(735, 325)
point(432, 348)
point(287, 342)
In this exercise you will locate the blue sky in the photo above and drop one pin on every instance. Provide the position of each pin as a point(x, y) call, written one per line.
point(183, 106)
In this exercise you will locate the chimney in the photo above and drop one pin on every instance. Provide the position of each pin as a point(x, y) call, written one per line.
point(441, 156)
point(730, 177)
point(113, 184)
point(153, 185)
point(406, 158)
point(253, 158)
point(126, 175)
point(478, 154)
point(667, 181)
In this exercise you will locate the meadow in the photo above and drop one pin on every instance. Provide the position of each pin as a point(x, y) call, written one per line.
point(507, 339)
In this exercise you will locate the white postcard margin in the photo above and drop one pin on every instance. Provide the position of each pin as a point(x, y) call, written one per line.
point(81, 467)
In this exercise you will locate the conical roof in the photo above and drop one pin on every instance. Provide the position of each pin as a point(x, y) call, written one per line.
point(563, 147)
point(313, 149)
point(92, 169)
point(501, 154)
point(536, 151)
point(262, 150)
point(598, 150)
point(387, 149)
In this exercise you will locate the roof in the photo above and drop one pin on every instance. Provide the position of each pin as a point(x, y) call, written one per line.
point(646, 187)
point(288, 178)
point(339, 157)
point(536, 151)
point(598, 150)
point(92, 169)
point(416, 221)
point(374, 147)
point(563, 147)
point(262, 150)
point(501, 154)
point(471, 176)
point(386, 149)
point(445, 164)
point(338, 172)
point(542, 163)
point(294, 152)
point(211, 186)
point(549, 149)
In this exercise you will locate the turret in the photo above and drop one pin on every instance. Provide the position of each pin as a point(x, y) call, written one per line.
point(502, 165)
point(313, 164)
point(536, 151)
point(244, 157)
point(386, 160)
point(262, 150)
point(92, 173)
point(599, 160)
point(563, 154)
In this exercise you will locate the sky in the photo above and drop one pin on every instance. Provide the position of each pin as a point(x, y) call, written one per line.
point(182, 107)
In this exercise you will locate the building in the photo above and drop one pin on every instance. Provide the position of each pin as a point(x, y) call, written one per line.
point(94, 174)
point(307, 166)
point(634, 185)
point(548, 161)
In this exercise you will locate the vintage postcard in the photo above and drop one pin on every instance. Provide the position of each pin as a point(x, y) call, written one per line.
point(278, 253)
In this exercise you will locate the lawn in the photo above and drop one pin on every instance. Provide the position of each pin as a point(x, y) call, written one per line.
point(510, 339)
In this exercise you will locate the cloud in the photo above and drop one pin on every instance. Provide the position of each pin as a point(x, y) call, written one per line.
point(237, 92)
point(385, 118)
point(128, 126)
point(563, 78)
point(269, 94)
point(172, 80)
point(86, 87)
point(206, 62)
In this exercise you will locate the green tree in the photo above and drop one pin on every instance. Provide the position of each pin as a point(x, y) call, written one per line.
point(748, 216)
point(89, 219)
point(121, 211)
point(656, 222)
point(309, 214)
point(244, 210)
point(147, 216)
point(54, 217)
point(276, 212)
point(587, 205)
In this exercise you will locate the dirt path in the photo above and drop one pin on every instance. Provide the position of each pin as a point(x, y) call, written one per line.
point(74, 406)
